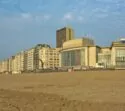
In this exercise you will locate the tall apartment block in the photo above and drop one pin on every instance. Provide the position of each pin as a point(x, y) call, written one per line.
point(16, 63)
point(37, 55)
point(63, 35)
point(42, 56)
point(11, 59)
point(4, 66)
point(30, 61)
point(49, 57)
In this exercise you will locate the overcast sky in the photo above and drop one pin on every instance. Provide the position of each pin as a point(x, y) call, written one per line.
point(25, 23)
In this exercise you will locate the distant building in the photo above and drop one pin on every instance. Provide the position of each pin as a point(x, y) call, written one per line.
point(4, 66)
point(118, 53)
point(10, 64)
point(17, 63)
point(30, 66)
point(79, 52)
point(42, 56)
point(63, 35)
point(48, 57)
point(70, 52)
point(83, 52)
point(104, 57)
point(37, 48)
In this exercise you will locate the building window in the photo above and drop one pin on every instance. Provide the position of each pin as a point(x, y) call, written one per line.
point(120, 58)
point(72, 58)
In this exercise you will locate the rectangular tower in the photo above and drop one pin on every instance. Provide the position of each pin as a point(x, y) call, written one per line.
point(63, 35)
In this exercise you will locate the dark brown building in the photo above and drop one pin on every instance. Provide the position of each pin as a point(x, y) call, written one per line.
point(63, 35)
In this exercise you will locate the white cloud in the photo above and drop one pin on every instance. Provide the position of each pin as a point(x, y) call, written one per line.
point(73, 17)
point(42, 18)
point(101, 15)
point(102, 10)
point(26, 15)
point(35, 17)
point(80, 18)
point(47, 17)
point(68, 16)
point(22, 20)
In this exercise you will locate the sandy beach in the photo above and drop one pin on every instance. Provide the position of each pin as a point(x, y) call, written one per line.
point(69, 91)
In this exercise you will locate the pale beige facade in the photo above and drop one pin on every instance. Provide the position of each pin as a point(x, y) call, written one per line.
point(11, 64)
point(48, 57)
point(93, 52)
point(113, 56)
point(81, 53)
point(37, 59)
point(17, 63)
point(14, 65)
point(0, 67)
point(41, 56)
point(104, 57)
point(4, 66)
point(118, 54)
point(30, 59)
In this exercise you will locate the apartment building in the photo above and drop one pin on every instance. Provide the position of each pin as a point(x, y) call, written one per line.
point(0, 67)
point(18, 63)
point(4, 66)
point(63, 35)
point(22, 61)
point(118, 53)
point(113, 56)
point(37, 48)
point(30, 66)
point(10, 64)
point(48, 57)
point(104, 57)
point(14, 65)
